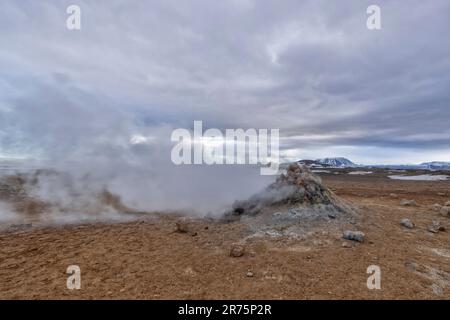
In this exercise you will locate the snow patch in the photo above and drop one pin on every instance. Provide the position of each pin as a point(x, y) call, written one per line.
point(422, 177)
point(360, 172)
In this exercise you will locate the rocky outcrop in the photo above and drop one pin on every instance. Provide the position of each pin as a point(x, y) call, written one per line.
point(298, 188)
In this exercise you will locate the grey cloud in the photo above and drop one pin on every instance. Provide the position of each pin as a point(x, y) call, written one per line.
point(310, 68)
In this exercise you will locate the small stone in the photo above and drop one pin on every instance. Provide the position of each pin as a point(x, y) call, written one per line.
point(393, 195)
point(442, 194)
point(447, 204)
point(407, 223)
point(183, 227)
point(445, 211)
point(189, 271)
point(354, 235)
point(409, 203)
point(437, 290)
point(436, 226)
point(432, 229)
point(277, 215)
point(346, 245)
point(411, 266)
point(249, 274)
point(436, 207)
point(237, 250)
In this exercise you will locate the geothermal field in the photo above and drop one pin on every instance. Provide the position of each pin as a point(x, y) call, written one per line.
point(241, 153)
point(305, 235)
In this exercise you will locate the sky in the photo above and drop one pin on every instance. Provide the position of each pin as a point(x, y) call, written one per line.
point(311, 69)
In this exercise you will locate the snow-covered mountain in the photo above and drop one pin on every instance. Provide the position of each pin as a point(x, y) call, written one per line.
point(338, 162)
point(436, 165)
point(312, 163)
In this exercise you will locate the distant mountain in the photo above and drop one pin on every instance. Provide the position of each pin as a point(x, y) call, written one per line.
point(340, 162)
point(336, 162)
point(396, 166)
point(312, 163)
point(436, 165)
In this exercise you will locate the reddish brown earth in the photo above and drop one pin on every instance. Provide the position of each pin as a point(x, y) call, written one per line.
point(148, 259)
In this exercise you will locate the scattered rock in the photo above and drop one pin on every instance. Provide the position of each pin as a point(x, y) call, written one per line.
point(437, 290)
point(237, 250)
point(183, 227)
point(278, 214)
point(442, 194)
point(346, 245)
point(407, 223)
point(436, 207)
point(393, 195)
point(411, 266)
point(249, 274)
point(189, 271)
point(436, 226)
point(445, 211)
point(354, 235)
point(409, 203)
point(447, 204)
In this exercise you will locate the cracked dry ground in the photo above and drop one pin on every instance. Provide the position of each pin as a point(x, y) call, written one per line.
point(148, 260)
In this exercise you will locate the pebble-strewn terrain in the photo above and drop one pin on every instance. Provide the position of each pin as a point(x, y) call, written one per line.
point(403, 225)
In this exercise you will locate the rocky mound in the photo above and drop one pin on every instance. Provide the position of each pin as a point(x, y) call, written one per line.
point(299, 190)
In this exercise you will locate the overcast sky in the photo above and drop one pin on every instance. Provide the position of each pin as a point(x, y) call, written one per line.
point(309, 68)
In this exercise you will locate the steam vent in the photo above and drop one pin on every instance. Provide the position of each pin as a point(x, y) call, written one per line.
point(296, 194)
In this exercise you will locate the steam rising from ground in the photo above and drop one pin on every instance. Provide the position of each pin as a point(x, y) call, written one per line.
point(96, 143)
point(136, 173)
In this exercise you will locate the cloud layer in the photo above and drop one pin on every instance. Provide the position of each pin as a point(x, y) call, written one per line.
point(310, 68)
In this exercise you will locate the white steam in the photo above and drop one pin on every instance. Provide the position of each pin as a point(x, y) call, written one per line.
point(141, 173)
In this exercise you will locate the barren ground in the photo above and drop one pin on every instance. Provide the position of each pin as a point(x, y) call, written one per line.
point(146, 259)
